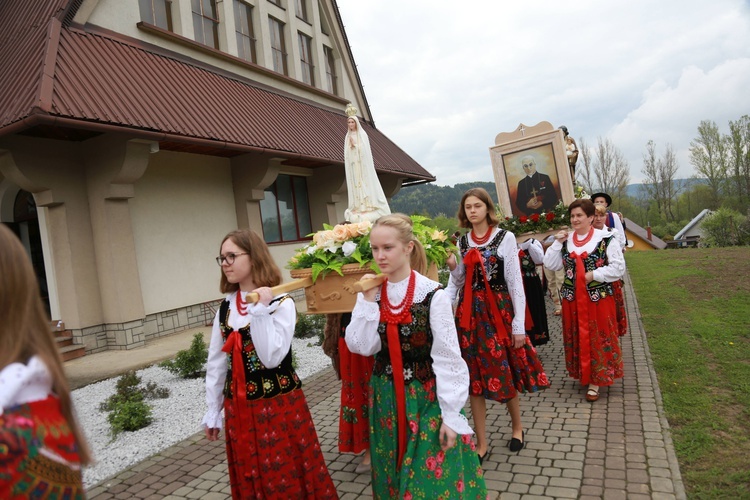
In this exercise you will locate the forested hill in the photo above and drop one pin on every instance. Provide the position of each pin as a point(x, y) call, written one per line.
point(432, 200)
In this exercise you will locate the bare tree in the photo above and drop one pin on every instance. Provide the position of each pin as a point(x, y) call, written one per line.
point(708, 155)
point(611, 169)
point(583, 170)
point(651, 172)
point(667, 171)
point(739, 155)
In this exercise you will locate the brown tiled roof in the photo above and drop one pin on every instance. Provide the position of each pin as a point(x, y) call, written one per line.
point(637, 230)
point(96, 80)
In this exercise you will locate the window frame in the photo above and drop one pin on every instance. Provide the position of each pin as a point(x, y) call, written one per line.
point(305, 51)
point(149, 5)
point(204, 18)
point(331, 76)
point(277, 52)
point(241, 35)
point(273, 188)
point(301, 5)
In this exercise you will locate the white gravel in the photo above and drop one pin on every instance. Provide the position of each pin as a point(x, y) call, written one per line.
point(175, 418)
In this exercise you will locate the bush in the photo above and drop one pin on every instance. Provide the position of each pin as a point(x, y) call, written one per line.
point(725, 228)
point(310, 325)
point(127, 409)
point(129, 416)
point(189, 363)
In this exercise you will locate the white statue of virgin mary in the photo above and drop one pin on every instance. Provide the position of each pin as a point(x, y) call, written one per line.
point(366, 198)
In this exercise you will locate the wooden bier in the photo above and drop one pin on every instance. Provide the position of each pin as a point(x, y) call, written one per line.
point(252, 297)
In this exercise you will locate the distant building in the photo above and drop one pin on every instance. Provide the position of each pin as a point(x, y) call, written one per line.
point(135, 135)
point(642, 239)
point(692, 232)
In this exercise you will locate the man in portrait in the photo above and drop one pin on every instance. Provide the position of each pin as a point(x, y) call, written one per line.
point(535, 193)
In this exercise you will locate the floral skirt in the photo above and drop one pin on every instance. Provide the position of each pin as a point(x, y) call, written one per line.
point(426, 471)
point(606, 356)
point(497, 371)
point(273, 450)
point(31, 435)
point(354, 429)
point(620, 311)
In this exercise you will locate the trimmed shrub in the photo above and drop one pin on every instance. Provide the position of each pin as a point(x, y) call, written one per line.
point(189, 363)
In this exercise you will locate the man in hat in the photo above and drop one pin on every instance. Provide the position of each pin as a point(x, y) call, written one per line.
point(613, 220)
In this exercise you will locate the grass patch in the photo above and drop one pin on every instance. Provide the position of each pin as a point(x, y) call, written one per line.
point(695, 307)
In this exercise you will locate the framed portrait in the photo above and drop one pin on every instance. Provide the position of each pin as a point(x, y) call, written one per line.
point(531, 170)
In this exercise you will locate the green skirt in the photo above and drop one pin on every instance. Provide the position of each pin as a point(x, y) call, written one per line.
point(427, 472)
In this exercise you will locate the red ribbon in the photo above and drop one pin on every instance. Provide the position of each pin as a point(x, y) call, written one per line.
point(397, 363)
point(582, 303)
point(233, 345)
point(471, 259)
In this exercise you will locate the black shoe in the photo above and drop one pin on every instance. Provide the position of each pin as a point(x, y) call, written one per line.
point(515, 444)
point(482, 457)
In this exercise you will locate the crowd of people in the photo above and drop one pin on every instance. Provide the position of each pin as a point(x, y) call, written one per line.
point(409, 356)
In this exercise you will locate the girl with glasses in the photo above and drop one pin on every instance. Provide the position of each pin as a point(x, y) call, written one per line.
point(272, 447)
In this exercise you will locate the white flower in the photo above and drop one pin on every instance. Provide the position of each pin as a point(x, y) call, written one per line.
point(348, 247)
point(311, 249)
point(332, 247)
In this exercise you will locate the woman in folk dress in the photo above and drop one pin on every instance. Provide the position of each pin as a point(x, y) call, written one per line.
point(272, 447)
point(592, 260)
point(420, 440)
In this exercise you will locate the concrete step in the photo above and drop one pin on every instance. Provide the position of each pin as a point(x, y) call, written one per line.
point(72, 352)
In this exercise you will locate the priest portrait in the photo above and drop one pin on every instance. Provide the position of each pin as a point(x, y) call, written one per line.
point(535, 193)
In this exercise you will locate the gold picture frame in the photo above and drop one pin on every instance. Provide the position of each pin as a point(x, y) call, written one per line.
point(531, 170)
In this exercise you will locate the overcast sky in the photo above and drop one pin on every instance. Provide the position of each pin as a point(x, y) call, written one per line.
point(443, 78)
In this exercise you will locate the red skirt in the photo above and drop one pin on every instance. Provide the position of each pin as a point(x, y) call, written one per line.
point(354, 427)
point(605, 353)
point(275, 453)
point(622, 315)
point(30, 435)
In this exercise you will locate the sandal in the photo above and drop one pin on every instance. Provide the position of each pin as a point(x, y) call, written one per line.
point(592, 395)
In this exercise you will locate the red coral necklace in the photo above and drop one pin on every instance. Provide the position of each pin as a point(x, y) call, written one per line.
point(484, 239)
point(240, 303)
point(586, 239)
point(390, 313)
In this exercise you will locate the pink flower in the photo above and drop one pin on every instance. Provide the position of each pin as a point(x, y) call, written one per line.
point(438, 473)
point(413, 426)
point(493, 384)
point(441, 456)
point(431, 463)
point(460, 485)
point(466, 438)
point(407, 495)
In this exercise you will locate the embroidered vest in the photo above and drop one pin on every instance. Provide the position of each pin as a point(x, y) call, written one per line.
point(597, 259)
point(416, 343)
point(262, 382)
point(528, 268)
point(493, 264)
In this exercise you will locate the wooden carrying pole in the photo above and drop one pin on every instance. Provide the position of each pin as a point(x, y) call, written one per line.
point(364, 285)
point(252, 297)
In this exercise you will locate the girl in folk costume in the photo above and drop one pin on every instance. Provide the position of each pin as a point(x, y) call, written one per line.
point(531, 254)
point(42, 448)
point(592, 260)
point(490, 318)
point(272, 448)
point(419, 437)
point(354, 371)
point(600, 218)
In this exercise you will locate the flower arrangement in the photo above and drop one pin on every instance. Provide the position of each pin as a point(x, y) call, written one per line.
point(536, 223)
point(335, 246)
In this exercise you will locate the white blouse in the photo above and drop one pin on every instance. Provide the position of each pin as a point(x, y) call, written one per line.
point(610, 273)
point(512, 274)
point(451, 372)
point(272, 337)
point(536, 252)
point(24, 383)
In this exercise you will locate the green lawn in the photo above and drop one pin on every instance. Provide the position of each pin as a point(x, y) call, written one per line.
point(695, 306)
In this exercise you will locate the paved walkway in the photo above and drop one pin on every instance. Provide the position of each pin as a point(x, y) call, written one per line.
point(617, 447)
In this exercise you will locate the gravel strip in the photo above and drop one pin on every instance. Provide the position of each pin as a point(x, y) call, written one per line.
point(175, 418)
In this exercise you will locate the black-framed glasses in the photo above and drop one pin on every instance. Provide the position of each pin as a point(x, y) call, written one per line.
point(229, 258)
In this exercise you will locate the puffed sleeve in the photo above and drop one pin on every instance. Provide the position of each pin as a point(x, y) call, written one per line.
point(362, 332)
point(620, 231)
point(456, 281)
point(553, 257)
point(216, 374)
point(509, 252)
point(451, 372)
point(272, 329)
point(535, 251)
point(615, 267)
